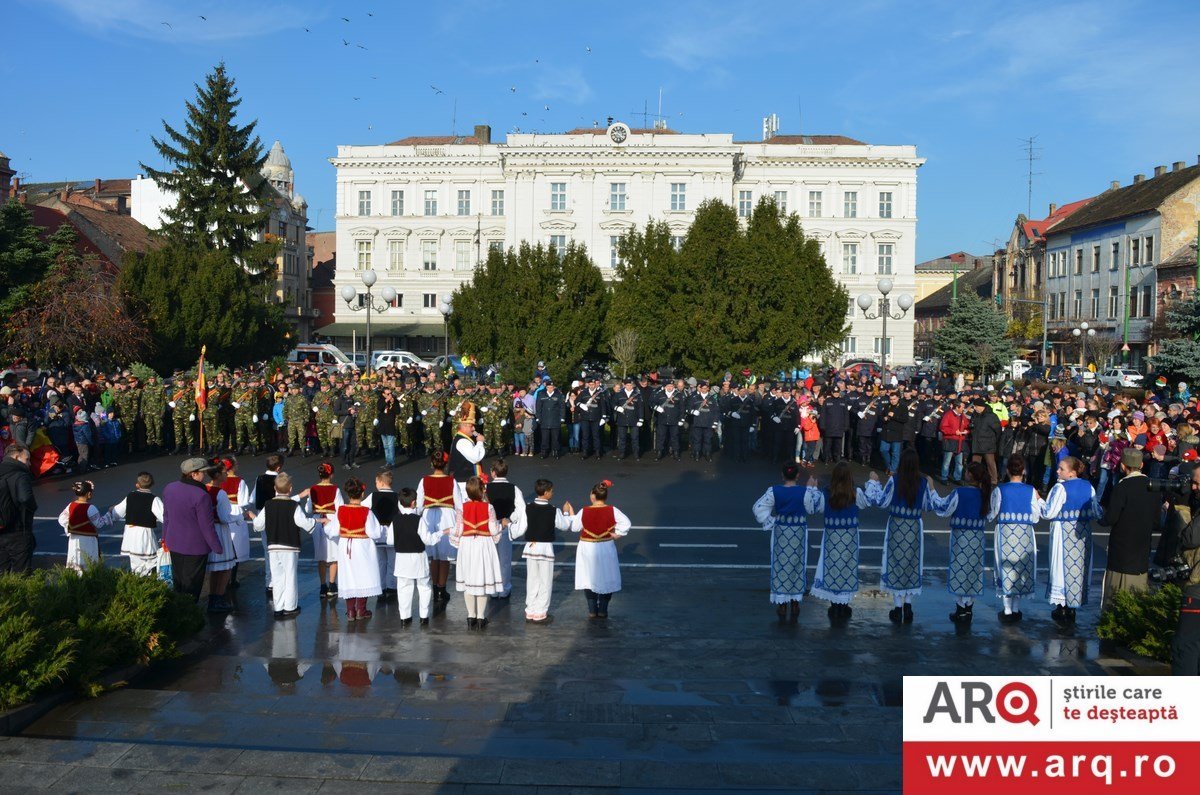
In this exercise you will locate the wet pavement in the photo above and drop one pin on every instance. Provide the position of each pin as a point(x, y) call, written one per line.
point(692, 684)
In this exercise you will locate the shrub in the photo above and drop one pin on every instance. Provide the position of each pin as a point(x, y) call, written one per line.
point(59, 629)
point(1142, 622)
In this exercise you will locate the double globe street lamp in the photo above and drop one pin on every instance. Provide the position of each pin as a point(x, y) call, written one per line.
point(446, 307)
point(1082, 332)
point(350, 294)
point(904, 301)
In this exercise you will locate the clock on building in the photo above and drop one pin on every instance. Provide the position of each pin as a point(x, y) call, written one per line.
point(618, 132)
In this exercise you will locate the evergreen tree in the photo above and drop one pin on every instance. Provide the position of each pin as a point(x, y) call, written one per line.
point(973, 338)
point(645, 273)
point(215, 175)
point(1179, 358)
point(24, 257)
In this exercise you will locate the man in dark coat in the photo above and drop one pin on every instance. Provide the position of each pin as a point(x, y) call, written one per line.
point(985, 436)
point(550, 412)
point(834, 421)
point(1132, 516)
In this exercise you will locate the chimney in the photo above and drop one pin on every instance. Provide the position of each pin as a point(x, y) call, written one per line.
point(610, 120)
point(1177, 165)
point(122, 205)
point(483, 133)
point(1160, 170)
point(97, 188)
point(64, 193)
point(1114, 184)
point(1053, 208)
point(1139, 178)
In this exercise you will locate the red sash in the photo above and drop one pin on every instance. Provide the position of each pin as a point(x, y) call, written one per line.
point(324, 496)
point(213, 491)
point(475, 518)
point(78, 522)
point(599, 522)
point(439, 492)
point(230, 487)
point(352, 521)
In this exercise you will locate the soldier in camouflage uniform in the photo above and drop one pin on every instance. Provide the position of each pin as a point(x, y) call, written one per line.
point(323, 403)
point(183, 414)
point(245, 411)
point(406, 402)
point(494, 408)
point(364, 426)
point(209, 418)
point(126, 401)
point(295, 416)
point(431, 413)
point(153, 401)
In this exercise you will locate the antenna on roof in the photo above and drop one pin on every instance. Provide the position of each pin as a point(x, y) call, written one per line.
point(454, 118)
point(799, 116)
point(1031, 154)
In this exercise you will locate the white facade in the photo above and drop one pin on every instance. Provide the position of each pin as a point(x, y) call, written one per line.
point(423, 211)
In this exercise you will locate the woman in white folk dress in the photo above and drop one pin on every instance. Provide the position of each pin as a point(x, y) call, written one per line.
point(477, 570)
point(353, 530)
point(82, 523)
point(597, 570)
point(783, 511)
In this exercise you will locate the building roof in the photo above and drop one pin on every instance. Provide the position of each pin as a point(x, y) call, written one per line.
point(108, 187)
point(1184, 256)
point(949, 261)
point(978, 279)
point(1135, 199)
point(1035, 231)
point(632, 131)
point(108, 233)
point(436, 140)
point(808, 140)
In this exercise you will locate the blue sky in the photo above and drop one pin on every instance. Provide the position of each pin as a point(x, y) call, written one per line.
point(1109, 88)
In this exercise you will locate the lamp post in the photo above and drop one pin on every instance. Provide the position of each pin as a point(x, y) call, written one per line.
point(446, 306)
point(349, 294)
point(904, 301)
point(1082, 332)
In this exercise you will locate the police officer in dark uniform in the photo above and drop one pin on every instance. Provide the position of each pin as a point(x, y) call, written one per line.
point(705, 411)
point(668, 413)
point(627, 416)
point(589, 409)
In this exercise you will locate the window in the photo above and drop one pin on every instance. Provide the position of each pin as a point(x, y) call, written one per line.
point(397, 202)
point(850, 204)
point(462, 255)
point(616, 196)
point(885, 204)
point(497, 202)
point(399, 302)
point(677, 242)
point(431, 202)
point(559, 244)
point(1116, 258)
point(1149, 251)
point(429, 255)
point(558, 195)
point(614, 252)
point(430, 301)
point(679, 197)
point(363, 250)
point(745, 203)
point(1135, 252)
point(1078, 305)
point(496, 245)
point(1062, 304)
point(364, 202)
point(1114, 302)
point(850, 345)
point(886, 344)
point(1078, 261)
point(1133, 302)
point(1148, 300)
point(814, 204)
point(849, 258)
point(1095, 259)
point(395, 255)
point(885, 257)
point(1095, 302)
point(464, 202)
point(781, 201)
point(283, 229)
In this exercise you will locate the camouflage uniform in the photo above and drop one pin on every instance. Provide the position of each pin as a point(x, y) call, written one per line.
point(183, 414)
point(209, 418)
point(244, 415)
point(295, 415)
point(364, 426)
point(405, 410)
point(497, 413)
point(126, 400)
point(153, 401)
point(323, 403)
point(430, 414)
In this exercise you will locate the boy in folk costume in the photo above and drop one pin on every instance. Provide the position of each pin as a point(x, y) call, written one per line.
point(597, 570)
point(477, 574)
point(282, 521)
point(411, 537)
point(141, 512)
point(508, 502)
point(384, 503)
point(239, 500)
point(353, 531)
point(264, 489)
point(220, 564)
point(537, 524)
point(439, 499)
point(324, 498)
point(82, 522)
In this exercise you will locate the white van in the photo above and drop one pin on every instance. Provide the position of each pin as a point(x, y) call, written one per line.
point(1018, 369)
point(399, 359)
point(324, 356)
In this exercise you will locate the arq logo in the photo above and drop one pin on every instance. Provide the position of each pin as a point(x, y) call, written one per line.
point(1016, 702)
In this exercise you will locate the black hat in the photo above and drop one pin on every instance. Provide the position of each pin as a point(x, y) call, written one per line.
point(702, 382)
point(980, 402)
point(629, 379)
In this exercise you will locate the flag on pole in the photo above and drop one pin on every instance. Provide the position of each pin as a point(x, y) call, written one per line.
point(43, 454)
point(201, 384)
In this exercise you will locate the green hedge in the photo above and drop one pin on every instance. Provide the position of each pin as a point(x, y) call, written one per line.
point(59, 629)
point(1143, 622)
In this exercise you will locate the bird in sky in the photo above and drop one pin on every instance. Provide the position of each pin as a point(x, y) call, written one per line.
point(345, 43)
point(359, 46)
point(523, 113)
point(345, 19)
point(370, 14)
point(168, 24)
point(356, 99)
point(436, 90)
point(547, 107)
point(589, 49)
point(203, 17)
point(306, 30)
point(513, 89)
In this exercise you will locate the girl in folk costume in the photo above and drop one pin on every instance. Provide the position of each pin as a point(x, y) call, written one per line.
point(836, 578)
point(439, 499)
point(906, 496)
point(477, 571)
point(239, 500)
point(1070, 506)
point(384, 503)
point(968, 508)
point(783, 512)
point(353, 530)
point(509, 503)
point(538, 523)
point(324, 498)
point(220, 564)
point(282, 522)
point(597, 570)
point(411, 537)
point(82, 522)
point(1016, 507)
point(141, 512)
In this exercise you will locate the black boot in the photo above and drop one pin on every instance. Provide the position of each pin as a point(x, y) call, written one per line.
point(602, 605)
point(896, 615)
point(908, 613)
point(960, 614)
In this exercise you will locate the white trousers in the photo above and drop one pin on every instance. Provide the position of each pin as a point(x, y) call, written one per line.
point(539, 582)
point(145, 565)
point(284, 563)
point(405, 586)
point(504, 548)
point(387, 565)
point(267, 559)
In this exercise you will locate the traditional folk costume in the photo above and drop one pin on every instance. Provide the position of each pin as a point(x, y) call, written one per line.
point(353, 530)
point(282, 522)
point(783, 512)
point(82, 522)
point(264, 489)
point(537, 524)
point(239, 500)
point(968, 540)
point(597, 570)
point(1071, 506)
point(903, 543)
point(385, 504)
point(323, 500)
point(477, 530)
point(439, 499)
point(141, 512)
point(223, 510)
point(836, 577)
point(465, 452)
point(508, 502)
point(410, 539)
point(1016, 508)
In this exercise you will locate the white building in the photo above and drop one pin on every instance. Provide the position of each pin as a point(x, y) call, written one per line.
point(422, 211)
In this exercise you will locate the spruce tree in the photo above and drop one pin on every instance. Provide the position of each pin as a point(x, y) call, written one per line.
point(644, 275)
point(214, 173)
point(974, 337)
point(1179, 358)
point(24, 256)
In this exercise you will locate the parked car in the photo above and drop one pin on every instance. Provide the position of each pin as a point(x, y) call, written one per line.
point(443, 363)
point(399, 359)
point(328, 357)
point(856, 369)
point(1121, 377)
point(1082, 375)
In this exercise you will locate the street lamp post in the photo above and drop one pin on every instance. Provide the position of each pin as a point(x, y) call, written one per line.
point(350, 293)
point(1082, 333)
point(446, 306)
point(904, 301)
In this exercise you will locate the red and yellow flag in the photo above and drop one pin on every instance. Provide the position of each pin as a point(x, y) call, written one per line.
point(201, 384)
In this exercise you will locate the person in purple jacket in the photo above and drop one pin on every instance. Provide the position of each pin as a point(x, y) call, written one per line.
point(189, 526)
